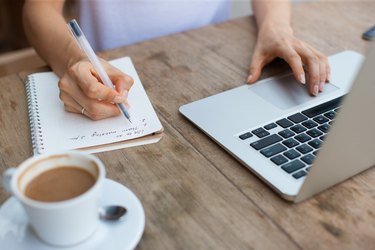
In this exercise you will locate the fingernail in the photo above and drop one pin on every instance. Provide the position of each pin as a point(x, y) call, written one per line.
point(302, 79)
point(119, 99)
point(249, 78)
point(316, 89)
point(321, 87)
point(125, 94)
point(328, 77)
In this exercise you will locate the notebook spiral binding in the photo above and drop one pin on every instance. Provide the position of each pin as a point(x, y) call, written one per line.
point(34, 118)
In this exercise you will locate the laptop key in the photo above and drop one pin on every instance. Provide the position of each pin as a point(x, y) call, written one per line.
point(316, 152)
point(304, 149)
point(255, 131)
point(260, 132)
point(284, 123)
point(279, 159)
point(290, 167)
point(297, 118)
point(316, 143)
point(267, 141)
point(270, 126)
point(271, 151)
point(245, 136)
point(299, 174)
point(320, 119)
point(322, 108)
point(330, 115)
point(302, 138)
point(286, 133)
point(308, 159)
point(298, 129)
point(314, 133)
point(324, 128)
point(290, 143)
point(309, 124)
point(292, 154)
point(263, 134)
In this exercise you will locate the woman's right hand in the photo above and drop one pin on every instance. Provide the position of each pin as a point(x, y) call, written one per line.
point(82, 92)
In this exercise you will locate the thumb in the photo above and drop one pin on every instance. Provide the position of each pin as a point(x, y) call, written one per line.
point(255, 70)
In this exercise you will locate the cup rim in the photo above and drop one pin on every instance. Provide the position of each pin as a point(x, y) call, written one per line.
point(56, 204)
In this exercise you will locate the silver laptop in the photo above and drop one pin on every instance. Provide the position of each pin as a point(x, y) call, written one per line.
point(298, 144)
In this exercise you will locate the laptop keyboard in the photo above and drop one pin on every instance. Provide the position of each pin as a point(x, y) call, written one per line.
point(292, 143)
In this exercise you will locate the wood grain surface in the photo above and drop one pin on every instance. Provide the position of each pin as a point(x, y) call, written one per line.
point(195, 195)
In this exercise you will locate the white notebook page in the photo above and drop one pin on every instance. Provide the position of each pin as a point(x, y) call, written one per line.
point(61, 130)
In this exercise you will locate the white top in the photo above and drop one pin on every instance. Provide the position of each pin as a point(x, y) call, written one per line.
point(109, 24)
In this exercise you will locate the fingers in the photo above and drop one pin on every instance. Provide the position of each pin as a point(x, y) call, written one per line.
point(322, 74)
point(317, 65)
point(290, 56)
point(83, 75)
point(256, 66)
point(295, 62)
point(80, 87)
point(297, 54)
point(122, 82)
point(324, 66)
point(259, 60)
point(313, 67)
point(328, 71)
point(74, 100)
point(69, 103)
point(95, 110)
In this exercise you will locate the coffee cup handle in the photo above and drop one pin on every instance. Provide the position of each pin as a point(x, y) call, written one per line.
point(7, 178)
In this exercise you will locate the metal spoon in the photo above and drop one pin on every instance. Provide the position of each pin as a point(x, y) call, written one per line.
point(112, 213)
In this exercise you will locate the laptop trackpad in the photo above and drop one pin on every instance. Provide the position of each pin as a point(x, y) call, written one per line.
point(285, 92)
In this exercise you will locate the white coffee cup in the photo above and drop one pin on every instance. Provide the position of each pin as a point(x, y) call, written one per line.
point(61, 223)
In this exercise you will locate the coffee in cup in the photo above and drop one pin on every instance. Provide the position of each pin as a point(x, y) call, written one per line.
point(60, 194)
point(59, 184)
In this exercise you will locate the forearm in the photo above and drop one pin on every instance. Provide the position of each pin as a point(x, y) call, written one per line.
point(272, 12)
point(46, 30)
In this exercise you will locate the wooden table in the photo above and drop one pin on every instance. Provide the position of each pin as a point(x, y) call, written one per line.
point(195, 195)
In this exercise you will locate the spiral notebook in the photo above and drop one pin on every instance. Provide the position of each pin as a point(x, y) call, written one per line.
point(55, 130)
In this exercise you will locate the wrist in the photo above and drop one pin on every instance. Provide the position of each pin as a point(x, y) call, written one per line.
point(275, 29)
point(74, 59)
point(75, 54)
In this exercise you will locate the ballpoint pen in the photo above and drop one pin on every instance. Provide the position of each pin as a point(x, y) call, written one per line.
point(85, 46)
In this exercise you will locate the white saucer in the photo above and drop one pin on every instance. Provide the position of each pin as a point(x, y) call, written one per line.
point(16, 234)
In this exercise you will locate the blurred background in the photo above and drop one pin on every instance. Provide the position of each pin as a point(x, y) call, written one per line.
point(243, 7)
point(15, 52)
